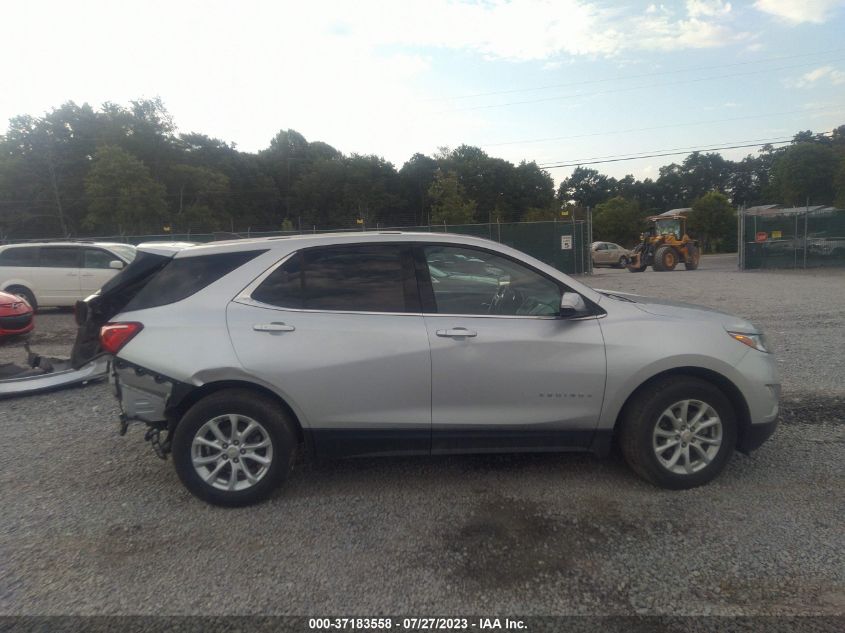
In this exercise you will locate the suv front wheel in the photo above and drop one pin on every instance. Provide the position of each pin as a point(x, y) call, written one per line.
point(234, 447)
point(679, 432)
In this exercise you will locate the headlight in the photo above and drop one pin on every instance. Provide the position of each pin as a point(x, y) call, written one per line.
point(757, 341)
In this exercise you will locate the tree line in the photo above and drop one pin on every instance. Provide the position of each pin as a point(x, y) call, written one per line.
point(126, 170)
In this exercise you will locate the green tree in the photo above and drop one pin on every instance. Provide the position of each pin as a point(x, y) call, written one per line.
point(200, 199)
point(804, 173)
point(449, 204)
point(617, 220)
point(122, 196)
point(542, 214)
point(712, 221)
point(370, 190)
point(415, 178)
point(839, 185)
point(586, 187)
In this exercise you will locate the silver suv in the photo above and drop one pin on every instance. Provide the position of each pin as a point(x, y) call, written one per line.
point(240, 355)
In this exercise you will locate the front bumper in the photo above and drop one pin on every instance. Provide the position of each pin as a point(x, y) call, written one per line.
point(13, 324)
point(754, 435)
point(761, 389)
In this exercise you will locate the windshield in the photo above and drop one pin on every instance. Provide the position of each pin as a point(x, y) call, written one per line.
point(666, 227)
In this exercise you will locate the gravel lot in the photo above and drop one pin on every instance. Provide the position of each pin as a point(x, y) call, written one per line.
point(93, 523)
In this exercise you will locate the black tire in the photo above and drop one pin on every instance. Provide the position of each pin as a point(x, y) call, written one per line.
point(665, 259)
point(693, 257)
point(268, 413)
point(623, 261)
point(26, 293)
point(643, 414)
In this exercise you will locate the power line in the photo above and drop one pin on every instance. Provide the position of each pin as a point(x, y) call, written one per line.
point(690, 148)
point(622, 158)
point(623, 77)
point(618, 160)
point(631, 88)
point(836, 108)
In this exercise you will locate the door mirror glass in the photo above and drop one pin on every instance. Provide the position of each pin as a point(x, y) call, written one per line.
point(116, 264)
point(572, 305)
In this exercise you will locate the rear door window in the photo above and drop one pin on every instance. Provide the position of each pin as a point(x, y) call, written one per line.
point(60, 257)
point(359, 278)
point(19, 256)
point(184, 276)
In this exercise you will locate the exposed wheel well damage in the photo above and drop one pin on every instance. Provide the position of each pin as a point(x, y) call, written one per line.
point(733, 394)
point(185, 396)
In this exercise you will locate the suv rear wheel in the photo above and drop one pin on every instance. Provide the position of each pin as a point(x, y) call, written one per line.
point(679, 433)
point(234, 447)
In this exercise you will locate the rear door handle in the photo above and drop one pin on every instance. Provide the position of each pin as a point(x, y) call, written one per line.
point(273, 327)
point(458, 332)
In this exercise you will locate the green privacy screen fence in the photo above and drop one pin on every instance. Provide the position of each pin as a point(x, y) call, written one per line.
point(805, 237)
point(564, 245)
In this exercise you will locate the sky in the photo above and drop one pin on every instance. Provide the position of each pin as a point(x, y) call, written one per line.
point(559, 82)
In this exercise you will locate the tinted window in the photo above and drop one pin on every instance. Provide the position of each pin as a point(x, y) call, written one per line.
point(283, 287)
point(361, 278)
point(185, 276)
point(469, 281)
point(95, 258)
point(59, 257)
point(19, 256)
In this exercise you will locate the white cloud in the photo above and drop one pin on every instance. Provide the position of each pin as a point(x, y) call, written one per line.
point(836, 77)
point(707, 8)
point(799, 11)
point(530, 30)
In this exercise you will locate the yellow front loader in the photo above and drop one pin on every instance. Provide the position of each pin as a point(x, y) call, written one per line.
point(664, 245)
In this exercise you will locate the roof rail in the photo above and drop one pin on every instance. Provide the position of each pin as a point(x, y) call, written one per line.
point(58, 239)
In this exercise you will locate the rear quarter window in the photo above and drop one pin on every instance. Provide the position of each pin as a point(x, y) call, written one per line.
point(185, 276)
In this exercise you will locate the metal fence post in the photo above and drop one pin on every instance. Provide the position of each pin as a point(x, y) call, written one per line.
point(588, 247)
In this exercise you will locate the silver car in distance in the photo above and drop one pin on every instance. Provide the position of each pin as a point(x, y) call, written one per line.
point(240, 355)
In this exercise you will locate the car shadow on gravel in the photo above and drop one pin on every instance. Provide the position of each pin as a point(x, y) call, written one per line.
point(811, 408)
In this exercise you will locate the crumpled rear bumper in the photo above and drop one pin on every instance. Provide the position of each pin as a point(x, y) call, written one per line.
point(143, 395)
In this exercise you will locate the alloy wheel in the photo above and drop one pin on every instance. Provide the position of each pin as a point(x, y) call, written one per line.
point(687, 436)
point(232, 452)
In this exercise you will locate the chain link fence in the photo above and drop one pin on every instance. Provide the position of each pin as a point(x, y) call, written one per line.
point(804, 237)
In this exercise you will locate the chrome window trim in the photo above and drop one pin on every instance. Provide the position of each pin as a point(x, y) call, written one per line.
point(249, 301)
point(244, 297)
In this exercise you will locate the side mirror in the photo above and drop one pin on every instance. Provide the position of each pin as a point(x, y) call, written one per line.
point(116, 264)
point(572, 305)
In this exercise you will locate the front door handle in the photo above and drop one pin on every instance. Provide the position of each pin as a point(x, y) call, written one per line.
point(273, 327)
point(458, 332)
